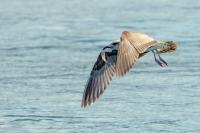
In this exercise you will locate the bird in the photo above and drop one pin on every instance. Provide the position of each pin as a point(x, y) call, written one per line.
point(117, 58)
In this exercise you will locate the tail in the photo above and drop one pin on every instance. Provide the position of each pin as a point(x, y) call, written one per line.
point(169, 46)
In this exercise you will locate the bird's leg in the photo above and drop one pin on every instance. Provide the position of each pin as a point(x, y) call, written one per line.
point(162, 60)
point(156, 60)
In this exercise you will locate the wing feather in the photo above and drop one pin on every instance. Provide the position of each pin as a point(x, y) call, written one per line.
point(132, 45)
point(100, 77)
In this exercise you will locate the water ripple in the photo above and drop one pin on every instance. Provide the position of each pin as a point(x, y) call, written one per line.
point(43, 116)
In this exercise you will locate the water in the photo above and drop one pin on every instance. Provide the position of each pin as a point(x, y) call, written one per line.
point(47, 50)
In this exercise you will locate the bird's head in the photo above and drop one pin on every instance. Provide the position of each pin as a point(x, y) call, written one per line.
point(172, 45)
point(169, 46)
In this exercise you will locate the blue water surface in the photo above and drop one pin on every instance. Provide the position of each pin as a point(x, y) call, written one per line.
point(48, 47)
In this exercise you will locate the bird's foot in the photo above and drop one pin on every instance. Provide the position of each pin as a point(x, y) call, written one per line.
point(164, 62)
point(159, 63)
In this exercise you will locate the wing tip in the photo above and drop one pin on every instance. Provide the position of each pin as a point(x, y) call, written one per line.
point(85, 103)
point(125, 34)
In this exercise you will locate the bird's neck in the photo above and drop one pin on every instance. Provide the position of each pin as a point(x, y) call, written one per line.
point(160, 45)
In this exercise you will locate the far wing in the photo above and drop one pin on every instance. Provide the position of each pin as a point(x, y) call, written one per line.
point(100, 77)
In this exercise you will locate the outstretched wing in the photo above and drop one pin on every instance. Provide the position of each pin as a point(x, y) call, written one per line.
point(132, 45)
point(101, 75)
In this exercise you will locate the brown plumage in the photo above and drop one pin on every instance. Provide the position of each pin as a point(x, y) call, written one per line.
point(118, 58)
point(132, 44)
point(171, 46)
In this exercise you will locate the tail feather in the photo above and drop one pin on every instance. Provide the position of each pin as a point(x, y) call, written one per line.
point(170, 47)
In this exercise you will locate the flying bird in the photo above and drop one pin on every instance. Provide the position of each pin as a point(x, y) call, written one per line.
point(118, 58)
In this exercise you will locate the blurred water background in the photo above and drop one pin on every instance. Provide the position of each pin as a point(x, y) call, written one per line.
point(47, 49)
